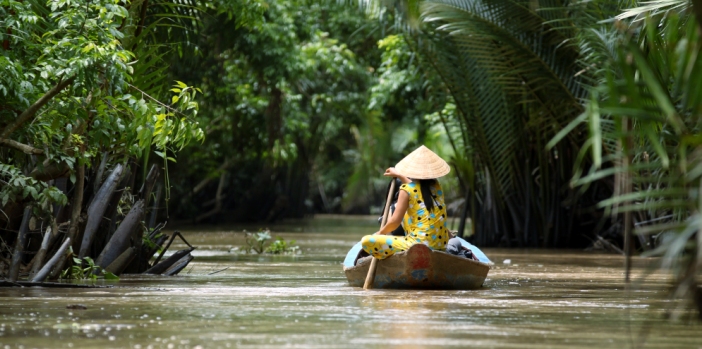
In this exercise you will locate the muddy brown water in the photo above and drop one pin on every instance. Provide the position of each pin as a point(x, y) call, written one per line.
point(541, 299)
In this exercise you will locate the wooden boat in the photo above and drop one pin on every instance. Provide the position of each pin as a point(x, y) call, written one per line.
point(420, 268)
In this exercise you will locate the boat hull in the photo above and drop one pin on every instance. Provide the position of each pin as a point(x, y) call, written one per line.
point(421, 268)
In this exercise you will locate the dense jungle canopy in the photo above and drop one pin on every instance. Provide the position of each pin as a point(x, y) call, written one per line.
point(565, 122)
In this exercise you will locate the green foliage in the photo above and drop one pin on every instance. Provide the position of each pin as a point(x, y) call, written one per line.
point(538, 86)
point(558, 107)
point(644, 125)
point(502, 77)
point(149, 241)
point(64, 39)
point(111, 97)
point(256, 242)
point(401, 100)
point(396, 75)
point(281, 96)
point(280, 246)
point(85, 269)
point(17, 187)
point(169, 127)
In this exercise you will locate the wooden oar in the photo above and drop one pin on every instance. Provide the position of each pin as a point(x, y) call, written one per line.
point(370, 277)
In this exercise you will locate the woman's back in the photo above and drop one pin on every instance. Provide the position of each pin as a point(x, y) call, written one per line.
point(422, 224)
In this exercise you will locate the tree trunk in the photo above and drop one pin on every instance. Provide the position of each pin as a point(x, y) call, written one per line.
point(120, 240)
point(464, 215)
point(76, 207)
point(627, 146)
point(111, 212)
point(218, 199)
point(149, 183)
point(273, 116)
point(121, 262)
point(27, 149)
point(697, 9)
point(59, 255)
point(97, 209)
point(19, 244)
point(100, 172)
point(155, 207)
point(50, 170)
point(49, 236)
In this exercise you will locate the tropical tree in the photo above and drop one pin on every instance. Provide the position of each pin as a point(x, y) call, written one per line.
point(80, 96)
point(281, 98)
point(401, 115)
point(644, 130)
point(524, 74)
point(515, 76)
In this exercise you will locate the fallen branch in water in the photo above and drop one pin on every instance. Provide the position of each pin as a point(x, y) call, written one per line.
point(215, 272)
point(608, 245)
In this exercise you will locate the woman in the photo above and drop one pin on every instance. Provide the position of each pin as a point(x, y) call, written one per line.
point(420, 207)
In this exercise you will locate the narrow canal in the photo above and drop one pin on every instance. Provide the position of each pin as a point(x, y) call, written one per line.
point(531, 299)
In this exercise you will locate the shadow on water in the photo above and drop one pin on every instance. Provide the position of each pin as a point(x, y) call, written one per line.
point(540, 299)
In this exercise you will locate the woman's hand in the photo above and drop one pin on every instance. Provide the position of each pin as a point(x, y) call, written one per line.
point(391, 172)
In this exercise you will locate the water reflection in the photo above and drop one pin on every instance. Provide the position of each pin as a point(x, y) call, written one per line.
point(541, 299)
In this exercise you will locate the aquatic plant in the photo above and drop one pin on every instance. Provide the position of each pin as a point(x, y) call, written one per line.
point(280, 246)
point(256, 242)
point(85, 268)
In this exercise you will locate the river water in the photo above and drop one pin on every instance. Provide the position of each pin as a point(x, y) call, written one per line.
point(540, 299)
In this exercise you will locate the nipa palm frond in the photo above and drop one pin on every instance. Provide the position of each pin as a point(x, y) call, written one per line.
point(655, 101)
point(483, 107)
point(534, 61)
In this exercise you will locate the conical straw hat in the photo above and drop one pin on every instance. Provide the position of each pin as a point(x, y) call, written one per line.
point(423, 164)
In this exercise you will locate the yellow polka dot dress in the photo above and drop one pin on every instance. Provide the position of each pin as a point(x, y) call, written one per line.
point(421, 226)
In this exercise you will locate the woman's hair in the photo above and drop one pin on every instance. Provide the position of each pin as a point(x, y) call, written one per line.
point(425, 186)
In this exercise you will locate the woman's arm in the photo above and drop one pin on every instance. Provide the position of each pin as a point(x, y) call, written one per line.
point(392, 172)
point(396, 219)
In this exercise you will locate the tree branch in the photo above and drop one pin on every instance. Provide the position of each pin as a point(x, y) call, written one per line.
point(27, 149)
point(218, 199)
point(32, 110)
point(142, 18)
point(175, 111)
